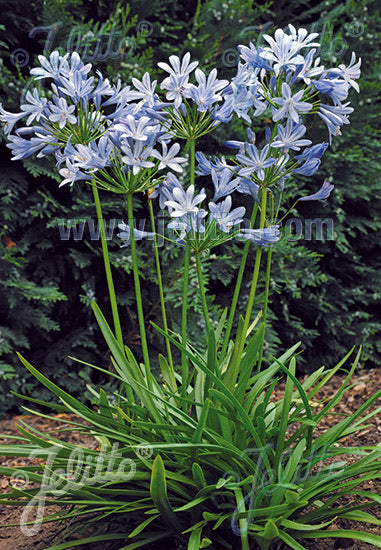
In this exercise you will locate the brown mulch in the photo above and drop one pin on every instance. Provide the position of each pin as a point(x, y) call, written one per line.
point(366, 382)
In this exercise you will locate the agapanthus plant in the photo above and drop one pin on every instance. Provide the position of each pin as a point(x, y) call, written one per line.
point(227, 466)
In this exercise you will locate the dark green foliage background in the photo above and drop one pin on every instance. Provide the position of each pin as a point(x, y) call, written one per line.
point(325, 293)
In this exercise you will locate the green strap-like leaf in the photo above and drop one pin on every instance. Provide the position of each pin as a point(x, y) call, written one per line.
point(127, 366)
point(345, 534)
point(198, 476)
point(292, 543)
point(158, 491)
point(271, 531)
point(248, 362)
point(284, 416)
point(142, 526)
point(195, 539)
point(168, 374)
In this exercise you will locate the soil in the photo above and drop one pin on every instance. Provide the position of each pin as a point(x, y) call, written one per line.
point(365, 384)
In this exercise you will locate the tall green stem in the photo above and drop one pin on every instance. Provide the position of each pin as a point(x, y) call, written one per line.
point(238, 286)
point(138, 293)
point(184, 358)
point(160, 284)
point(257, 264)
point(202, 291)
point(106, 259)
point(266, 301)
point(192, 145)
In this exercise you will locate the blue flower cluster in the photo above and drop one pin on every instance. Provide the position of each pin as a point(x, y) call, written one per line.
point(120, 138)
point(90, 126)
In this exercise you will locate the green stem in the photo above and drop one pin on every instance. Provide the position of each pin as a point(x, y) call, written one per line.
point(192, 144)
point(106, 259)
point(184, 359)
point(202, 291)
point(160, 284)
point(238, 286)
point(267, 288)
point(138, 293)
point(257, 264)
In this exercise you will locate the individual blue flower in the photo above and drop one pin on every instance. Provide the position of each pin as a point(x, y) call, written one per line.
point(225, 218)
point(76, 65)
point(223, 183)
point(138, 129)
point(24, 148)
point(249, 187)
point(82, 156)
point(10, 119)
point(205, 166)
point(290, 136)
point(334, 117)
point(302, 38)
point(36, 106)
point(62, 113)
point(282, 51)
point(71, 173)
point(223, 113)
point(164, 189)
point(309, 168)
point(253, 57)
point(58, 67)
point(93, 156)
point(243, 101)
point(246, 93)
point(168, 159)
point(323, 193)
point(50, 68)
point(335, 88)
point(261, 237)
point(184, 202)
point(177, 83)
point(316, 151)
point(120, 96)
point(205, 94)
point(177, 69)
point(135, 157)
point(177, 89)
point(310, 159)
point(309, 70)
point(145, 90)
point(77, 87)
point(290, 104)
point(350, 74)
point(125, 234)
point(256, 162)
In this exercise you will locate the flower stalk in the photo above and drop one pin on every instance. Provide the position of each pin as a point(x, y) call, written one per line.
point(265, 307)
point(160, 285)
point(138, 294)
point(238, 285)
point(254, 282)
point(106, 259)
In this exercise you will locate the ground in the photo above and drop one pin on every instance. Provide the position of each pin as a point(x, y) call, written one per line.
point(365, 383)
